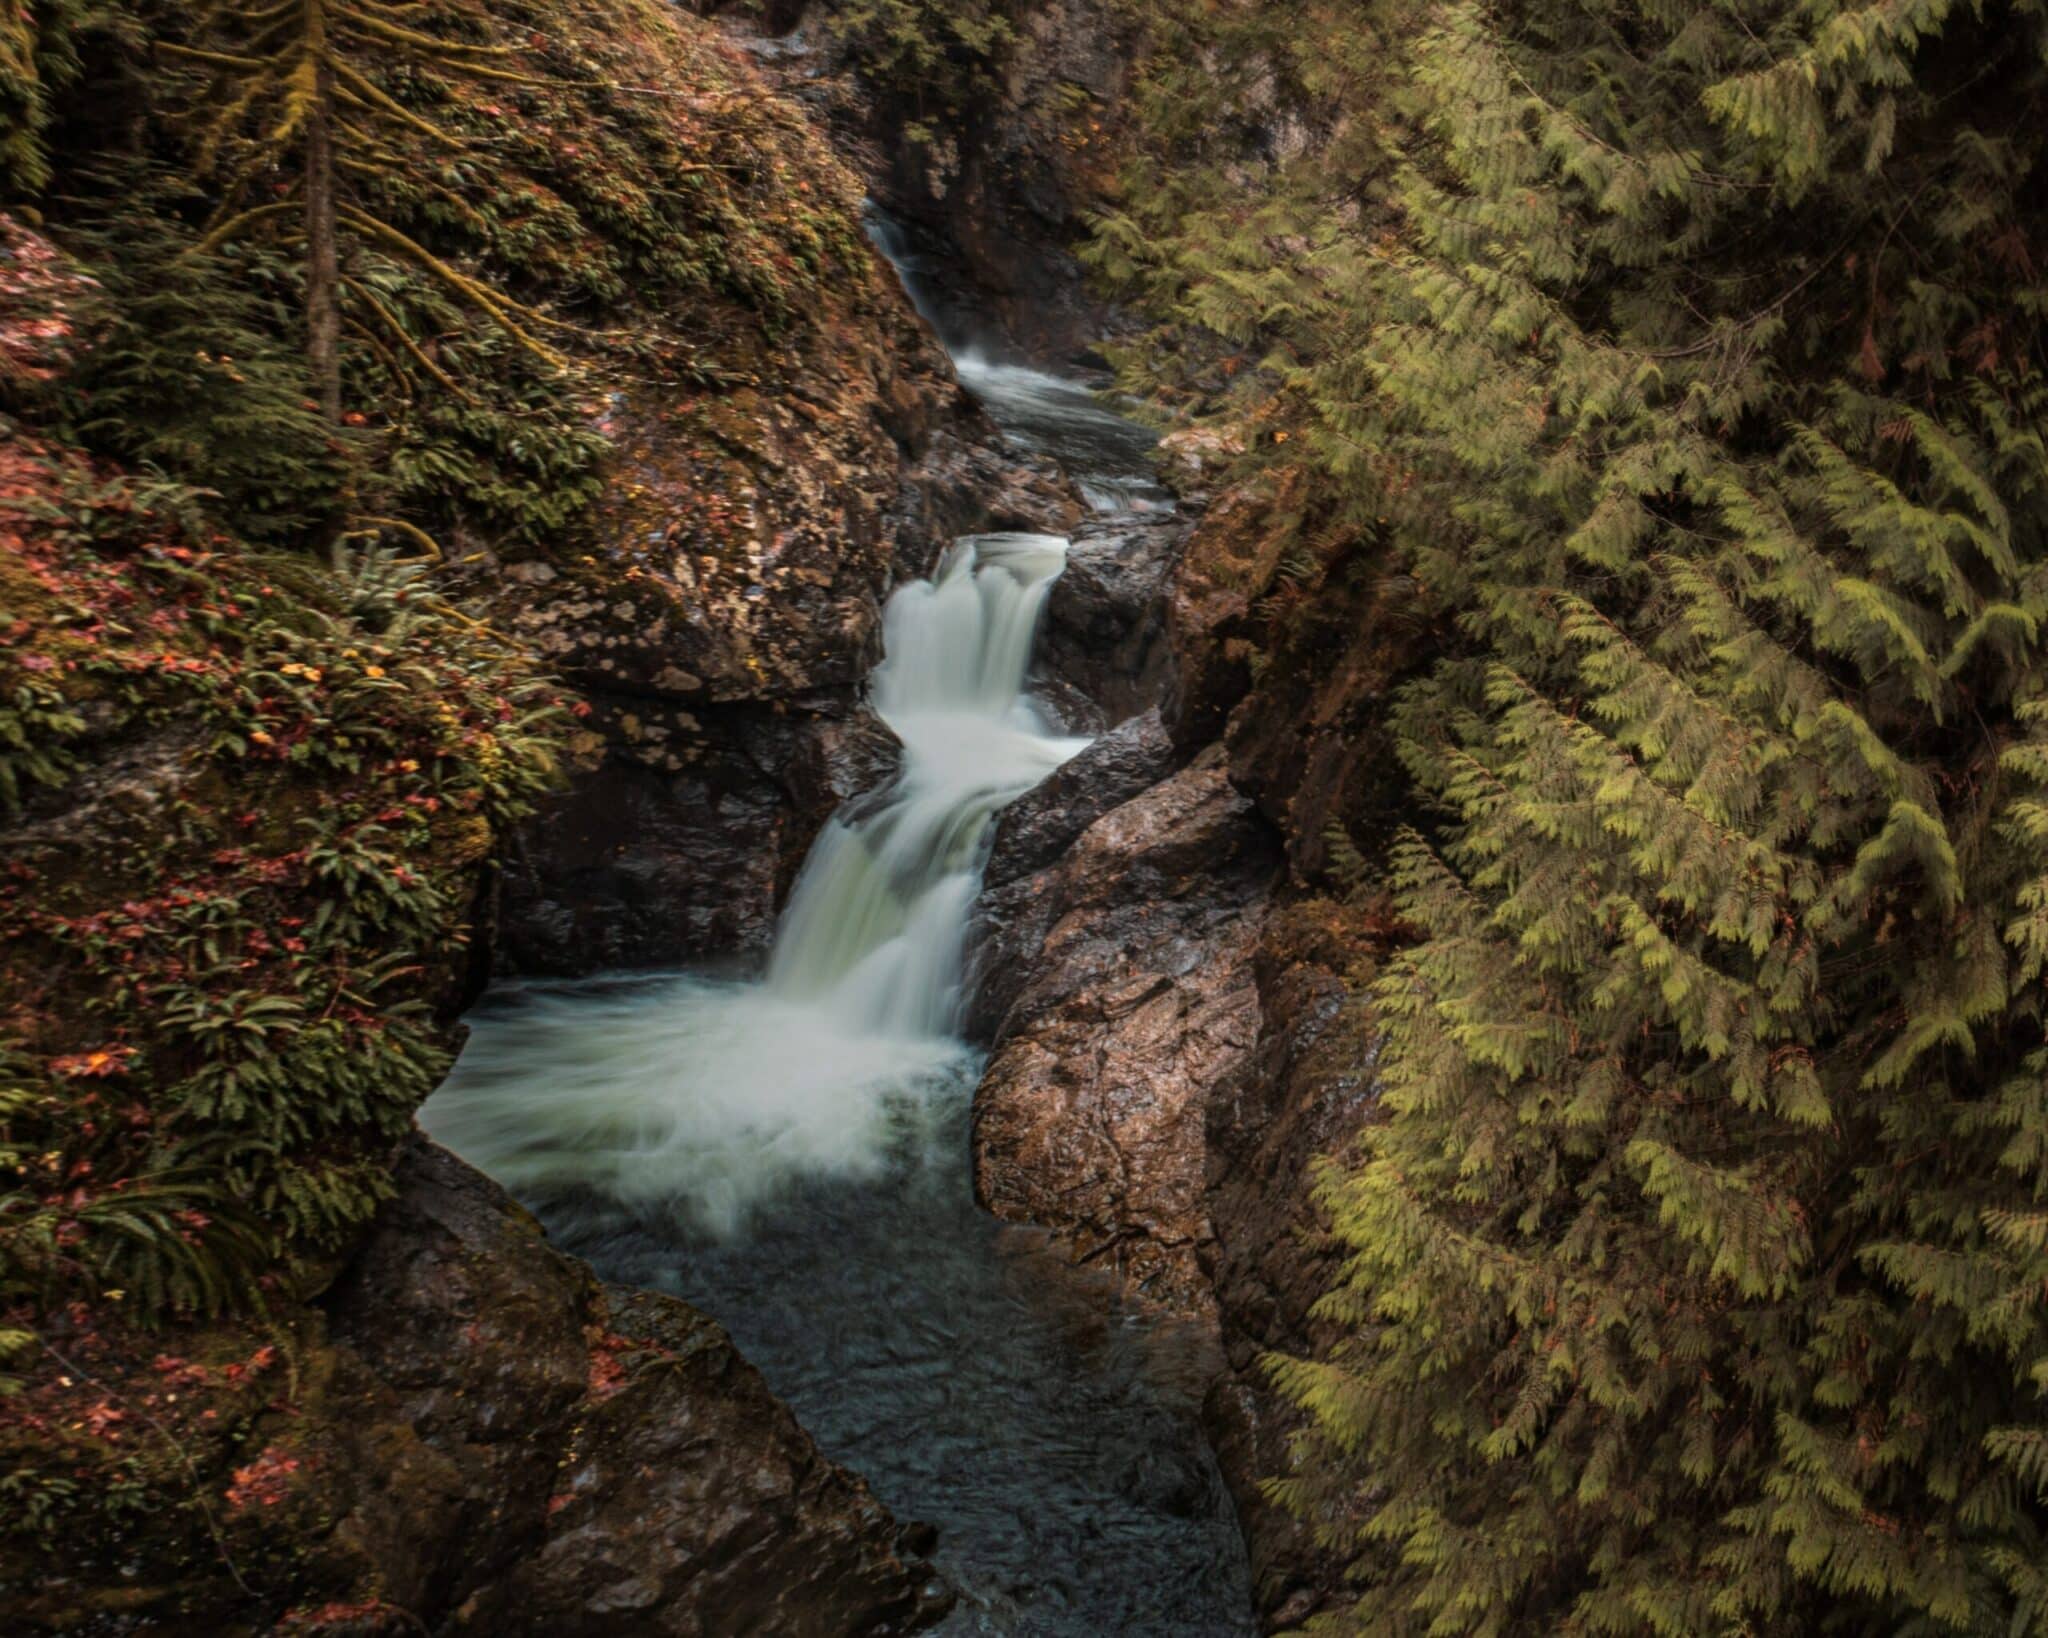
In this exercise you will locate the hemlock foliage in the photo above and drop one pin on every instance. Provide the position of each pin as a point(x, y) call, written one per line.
point(1689, 360)
point(939, 56)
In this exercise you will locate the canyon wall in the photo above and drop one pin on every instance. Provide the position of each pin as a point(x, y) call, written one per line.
point(1171, 956)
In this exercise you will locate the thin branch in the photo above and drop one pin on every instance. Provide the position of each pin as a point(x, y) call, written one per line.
point(218, 59)
point(412, 532)
point(496, 307)
point(235, 225)
point(361, 86)
point(391, 323)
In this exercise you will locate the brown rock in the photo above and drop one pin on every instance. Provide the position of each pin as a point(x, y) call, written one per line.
point(1310, 744)
point(1105, 619)
point(1040, 825)
point(1305, 1092)
point(508, 1448)
point(684, 837)
point(1335, 635)
point(1121, 978)
point(466, 1434)
point(969, 480)
point(1232, 552)
point(690, 1502)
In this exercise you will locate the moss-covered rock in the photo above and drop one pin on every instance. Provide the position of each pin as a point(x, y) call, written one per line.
point(466, 1434)
point(244, 807)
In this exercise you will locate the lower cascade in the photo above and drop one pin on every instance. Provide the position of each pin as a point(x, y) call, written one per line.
point(714, 1094)
point(789, 1153)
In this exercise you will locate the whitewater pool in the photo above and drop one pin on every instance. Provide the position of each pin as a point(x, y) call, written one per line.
point(973, 1377)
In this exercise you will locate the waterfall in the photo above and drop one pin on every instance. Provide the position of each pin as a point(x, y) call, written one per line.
point(1108, 456)
point(875, 926)
point(705, 1096)
point(790, 1152)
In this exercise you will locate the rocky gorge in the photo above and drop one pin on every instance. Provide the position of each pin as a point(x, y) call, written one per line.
point(460, 1428)
point(1023, 818)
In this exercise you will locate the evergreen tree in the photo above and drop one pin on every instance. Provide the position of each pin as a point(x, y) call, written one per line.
point(1245, 221)
point(1699, 1269)
point(36, 60)
point(293, 89)
point(1252, 225)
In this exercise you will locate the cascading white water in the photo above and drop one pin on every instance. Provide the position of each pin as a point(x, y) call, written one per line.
point(874, 928)
point(1107, 456)
point(791, 1154)
point(711, 1095)
point(1042, 412)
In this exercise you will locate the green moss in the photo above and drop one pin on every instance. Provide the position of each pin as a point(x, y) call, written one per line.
point(647, 212)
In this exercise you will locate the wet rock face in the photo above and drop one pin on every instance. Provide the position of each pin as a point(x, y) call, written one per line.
point(1002, 194)
point(1043, 823)
point(1305, 1091)
point(1117, 988)
point(1104, 632)
point(1307, 740)
point(1012, 188)
point(685, 834)
point(969, 480)
point(506, 1447)
point(1210, 627)
point(723, 633)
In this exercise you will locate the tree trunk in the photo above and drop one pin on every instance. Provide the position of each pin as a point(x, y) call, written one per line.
point(323, 265)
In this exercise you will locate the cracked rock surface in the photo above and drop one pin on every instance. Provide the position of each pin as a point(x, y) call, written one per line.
point(505, 1446)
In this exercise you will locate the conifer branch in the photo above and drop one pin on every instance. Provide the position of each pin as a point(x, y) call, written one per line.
point(426, 46)
point(494, 306)
point(418, 536)
point(217, 59)
point(401, 378)
point(235, 226)
point(398, 331)
point(369, 95)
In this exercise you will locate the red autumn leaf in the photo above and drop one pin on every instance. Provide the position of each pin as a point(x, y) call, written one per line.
point(97, 1064)
point(264, 1482)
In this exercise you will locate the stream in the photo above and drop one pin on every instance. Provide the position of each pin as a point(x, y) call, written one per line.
point(789, 1151)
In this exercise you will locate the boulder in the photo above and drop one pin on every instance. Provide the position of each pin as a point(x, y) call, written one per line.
point(467, 1434)
point(509, 1448)
point(1105, 620)
point(1064, 706)
point(684, 834)
point(1117, 988)
point(1044, 822)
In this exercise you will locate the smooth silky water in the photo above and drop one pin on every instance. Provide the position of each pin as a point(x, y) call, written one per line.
point(1109, 456)
point(790, 1153)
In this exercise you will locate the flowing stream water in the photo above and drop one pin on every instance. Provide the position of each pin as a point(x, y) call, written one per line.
point(790, 1151)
